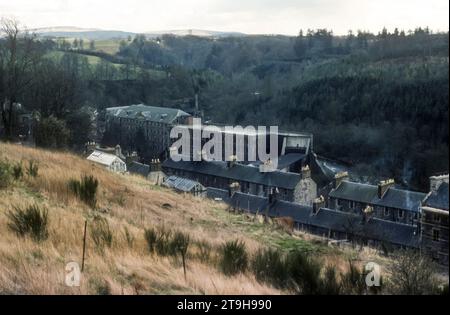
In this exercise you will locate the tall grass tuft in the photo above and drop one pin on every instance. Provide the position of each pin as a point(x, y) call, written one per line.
point(180, 244)
point(30, 221)
point(86, 189)
point(353, 281)
point(234, 257)
point(5, 174)
point(18, 171)
point(304, 273)
point(33, 169)
point(269, 266)
point(101, 233)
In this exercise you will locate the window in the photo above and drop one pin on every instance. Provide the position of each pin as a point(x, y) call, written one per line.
point(436, 217)
point(436, 235)
point(386, 212)
point(401, 214)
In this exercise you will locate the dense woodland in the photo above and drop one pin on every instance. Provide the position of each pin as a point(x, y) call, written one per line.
point(376, 102)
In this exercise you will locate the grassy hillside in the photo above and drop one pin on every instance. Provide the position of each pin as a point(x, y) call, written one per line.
point(130, 205)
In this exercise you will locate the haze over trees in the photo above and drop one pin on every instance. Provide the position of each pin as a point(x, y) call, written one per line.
point(378, 102)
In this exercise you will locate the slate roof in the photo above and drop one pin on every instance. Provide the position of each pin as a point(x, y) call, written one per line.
point(393, 198)
point(139, 168)
point(375, 229)
point(181, 184)
point(149, 113)
point(216, 193)
point(238, 172)
point(286, 160)
point(438, 199)
point(103, 158)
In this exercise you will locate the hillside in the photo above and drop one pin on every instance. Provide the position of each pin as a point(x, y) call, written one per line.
point(128, 203)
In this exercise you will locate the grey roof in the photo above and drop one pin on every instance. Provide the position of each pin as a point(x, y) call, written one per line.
point(286, 160)
point(139, 168)
point(375, 229)
point(216, 193)
point(439, 198)
point(149, 113)
point(393, 198)
point(182, 184)
point(238, 172)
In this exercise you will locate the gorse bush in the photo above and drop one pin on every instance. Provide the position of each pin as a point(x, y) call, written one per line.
point(32, 169)
point(164, 242)
point(151, 236)
point(204, 251)
point(353, 281)
point(304, 273)
point(18, 171)
point(233, 257)
point(101, 233)
point(269, 266)
point(85, 190)
point(5, 174)
point(30, 221)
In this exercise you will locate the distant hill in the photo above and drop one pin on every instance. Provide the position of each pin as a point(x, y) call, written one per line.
point(78, 32)
point(98, 34)
point(194, 32)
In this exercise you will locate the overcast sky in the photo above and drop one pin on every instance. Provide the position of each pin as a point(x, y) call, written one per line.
point(248, 16)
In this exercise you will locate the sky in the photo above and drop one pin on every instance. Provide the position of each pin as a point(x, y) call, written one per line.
point(247, 16)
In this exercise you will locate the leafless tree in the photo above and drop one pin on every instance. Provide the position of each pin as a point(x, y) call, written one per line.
point(411, 273)
point(17, 59)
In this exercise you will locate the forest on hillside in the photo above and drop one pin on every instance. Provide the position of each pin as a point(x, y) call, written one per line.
point(376, 102)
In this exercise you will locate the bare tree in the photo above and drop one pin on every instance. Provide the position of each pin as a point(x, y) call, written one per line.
point(411, 273)
point(17, 58)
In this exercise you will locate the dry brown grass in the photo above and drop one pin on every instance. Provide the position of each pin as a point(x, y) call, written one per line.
point(27, 267)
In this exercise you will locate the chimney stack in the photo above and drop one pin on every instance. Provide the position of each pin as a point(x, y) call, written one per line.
point(339, 178)
point(233, 188)
point(436, 181)
point(118, 151)
point(90, 147)
point(133, 157)
point(383, 187)
point(155, 165)
point(306, 172)
point(318, 204)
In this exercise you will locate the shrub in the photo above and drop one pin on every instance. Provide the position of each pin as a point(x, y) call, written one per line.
point(180, 244)
point(411, 273)
point(269, 266)
point(51, 133)
point(353, 281)
point(5, 174)
point(304, 273)
point(163, 243)
point(101, 233)
point(160, 241)
point(234, 258)
point(30, 221)
point(33, 169)
point(18, 171)
point(151, 236)
point(100, 286)
point(86, 189)
point(330, 282)
point(204, 251)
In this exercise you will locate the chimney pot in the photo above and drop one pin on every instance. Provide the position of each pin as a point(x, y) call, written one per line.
point(383, 187)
